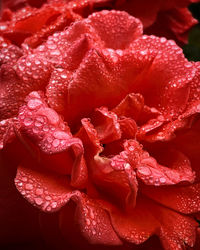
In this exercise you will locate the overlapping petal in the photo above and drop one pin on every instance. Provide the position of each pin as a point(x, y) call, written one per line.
point(108, 121)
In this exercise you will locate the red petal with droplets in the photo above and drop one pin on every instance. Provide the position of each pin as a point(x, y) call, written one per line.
point(28, 74)
point(94, 222)
point(135, 226)
point(115, 174)
point(116, 29)
point(131, 106)
point(36, 24)
point(183, 199)
point(106, 124)
point(165, 80)
point(173, 24)
point(148, 218)
point(178, 169)
point(188, 142)
point(46, 128)
point(43, 189)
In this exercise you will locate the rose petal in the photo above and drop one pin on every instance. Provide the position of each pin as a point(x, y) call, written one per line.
point(188, 142)
point(135, 226)
point(29, 73)
point(131, 106)
point(4, 43)
point(7, 133)
point(94, 222)
point(46, 128)
point(148, 218)
point(176, 230)
point(106, 124)
point(116, 29)
point(115, 174)
point(37, 24)
point(182, 199)
point(128, 128)
point(45, 190)
point(89, 137)
point(178, 170)
point(165, 80)
point(173, 24)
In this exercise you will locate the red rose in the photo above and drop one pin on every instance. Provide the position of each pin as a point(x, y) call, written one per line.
point(103, 123)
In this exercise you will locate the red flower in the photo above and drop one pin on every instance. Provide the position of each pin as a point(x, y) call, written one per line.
point(108, 124)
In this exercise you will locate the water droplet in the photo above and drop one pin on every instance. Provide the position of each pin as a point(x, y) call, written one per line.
point(56, 142)
point(60, 135)
point(91, 214)
point(48, 198)
point(144, 171)
point(64, 76)
point(35, 130)
point(127, 166)
point(29, 186)
point(162, 180)
point(38, 124)
point(39, 191)
point(35, 76)
point(143, 52)
point(28, 64)
point(163, 39)
point(28, 121)
point(55, 52)
point(34, 103)
point(94, 222)
point(131, 148)
point(45, 128)
point(38, 201)
point(51, 46)
point(54, 204)
point(37, 62)
point(24, 179)
point(87, 221)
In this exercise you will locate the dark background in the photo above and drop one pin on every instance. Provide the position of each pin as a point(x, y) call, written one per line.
point(192, 49)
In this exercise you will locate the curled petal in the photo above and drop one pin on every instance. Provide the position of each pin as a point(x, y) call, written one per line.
point(177, 22)
point(106, 124)
point(7, 132)
point(94, 222)
point(183, 199)
point(43, 189)
point(114, 174)
point(46, 128)
point(149, 218)
point(116, 29)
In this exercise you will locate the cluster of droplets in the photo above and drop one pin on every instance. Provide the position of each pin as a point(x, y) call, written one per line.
point(180, 232)
point(44, 125)
point(96, 223)
point(3, 42)
point(136, 237)
point(33, 68)
point(190, 201)
point(39, 195)
point(56, 89)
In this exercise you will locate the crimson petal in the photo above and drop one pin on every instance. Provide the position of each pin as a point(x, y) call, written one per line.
point(94, 222)
point(183, 199)
point(43, 189)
